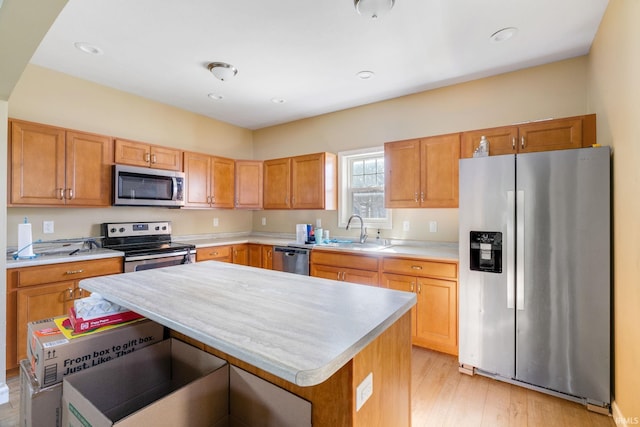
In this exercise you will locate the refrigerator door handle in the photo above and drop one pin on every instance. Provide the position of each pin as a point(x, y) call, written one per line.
point(520, 249)
point(511, 246)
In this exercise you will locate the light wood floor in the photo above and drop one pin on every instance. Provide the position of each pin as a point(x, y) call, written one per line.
point(441, 396)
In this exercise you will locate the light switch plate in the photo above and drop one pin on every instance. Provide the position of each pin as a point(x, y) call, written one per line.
point(364, 391)
point(405, 225)
point(216, 222)
point(264, 220)
point(433, 226)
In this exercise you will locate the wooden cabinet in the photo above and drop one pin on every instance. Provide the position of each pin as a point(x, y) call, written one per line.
point(240, 254)
point(546, 135)
point(40, 292)
point(248, 185)
point(50, 166)
point(215, 253)
point(237, 254)
point(209, 181)
point(260, 256)
point(345, 267)
point(301, 182)
point(146, 155)
point(422, 172)
point(435, 316)
point(267, 257)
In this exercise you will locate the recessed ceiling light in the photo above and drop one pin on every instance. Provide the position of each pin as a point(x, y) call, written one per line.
point(278, 100)
point(88, 48)
point(215, 96)
point(373, 8)
point(365, 75)
point(503, 34)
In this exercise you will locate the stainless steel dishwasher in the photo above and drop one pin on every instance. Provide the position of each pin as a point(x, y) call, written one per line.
point(291, 259)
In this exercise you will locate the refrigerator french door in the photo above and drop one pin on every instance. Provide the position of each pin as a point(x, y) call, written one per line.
point(535, 285)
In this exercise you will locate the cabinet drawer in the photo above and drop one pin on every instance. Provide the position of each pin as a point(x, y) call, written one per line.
point(342, 259)
point(416, 267)
point(220, 253)
point(52, 273)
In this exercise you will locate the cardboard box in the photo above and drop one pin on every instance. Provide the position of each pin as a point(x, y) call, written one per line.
point(83, 325)
point(167, 384)
point(256, 402)
point(39, 407)
point(53, 356)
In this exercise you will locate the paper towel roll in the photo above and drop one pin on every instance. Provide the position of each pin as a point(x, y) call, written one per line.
point(25, 244)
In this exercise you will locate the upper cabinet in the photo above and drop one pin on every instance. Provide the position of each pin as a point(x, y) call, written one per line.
point(209, 181)
point(422, 173)
point(146, 155)
point(557, 134)
point(301, 182)
point(51, 166)
point(249, 175)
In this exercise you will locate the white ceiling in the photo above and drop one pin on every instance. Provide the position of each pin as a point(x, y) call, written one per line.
point(306, 51)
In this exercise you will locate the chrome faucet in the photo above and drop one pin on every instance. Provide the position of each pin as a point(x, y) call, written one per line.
point(363, 230)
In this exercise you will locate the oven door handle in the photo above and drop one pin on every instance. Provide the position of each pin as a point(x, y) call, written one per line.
point(158, 256)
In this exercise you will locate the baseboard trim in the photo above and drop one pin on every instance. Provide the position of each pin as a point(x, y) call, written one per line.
point(620, 419)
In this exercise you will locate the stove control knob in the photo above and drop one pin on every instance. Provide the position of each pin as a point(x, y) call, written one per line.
point(121, 229)
point(113, 230)
point(157, 228)
point(164, 227)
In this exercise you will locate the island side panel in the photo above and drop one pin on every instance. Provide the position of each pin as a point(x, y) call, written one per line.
point(389, 359)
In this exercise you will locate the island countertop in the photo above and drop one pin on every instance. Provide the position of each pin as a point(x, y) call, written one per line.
point(299, 328)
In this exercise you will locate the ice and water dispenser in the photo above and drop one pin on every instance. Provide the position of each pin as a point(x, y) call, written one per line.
point(486, 251)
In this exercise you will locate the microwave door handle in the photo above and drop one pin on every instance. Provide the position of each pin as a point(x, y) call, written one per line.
point(174, 193)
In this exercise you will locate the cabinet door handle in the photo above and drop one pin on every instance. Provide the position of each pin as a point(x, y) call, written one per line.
point(293, 201)
point(416, 267)
point(147, 157)
point(422, 196)
point(69, 294)
point(213, 253)
point(70, 193)
point(74, 271)
point(79, 292)
point(415, 197)
point(522, 141)
point(338, 275)
point(413, 286)
point(154, 159)
point(513, 143)
point(61, 190)
point(419, 287)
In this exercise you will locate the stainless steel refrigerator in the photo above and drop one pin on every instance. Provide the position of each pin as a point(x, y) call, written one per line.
point(535, 273)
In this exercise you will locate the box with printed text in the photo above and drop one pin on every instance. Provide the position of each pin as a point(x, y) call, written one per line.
point(53, 355)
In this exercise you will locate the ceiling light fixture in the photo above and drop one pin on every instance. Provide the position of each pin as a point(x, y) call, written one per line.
point(373, 8)
point(215, 96)
point(278, 100)
point(222, 70)
point(365, 75)
point(88, 48)
point(503, 34)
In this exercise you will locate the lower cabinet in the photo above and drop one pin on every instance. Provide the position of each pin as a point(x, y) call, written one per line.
point(236, 254)
point(345, 267)
point(260, 256)
point(435, 316)
point(40, 292)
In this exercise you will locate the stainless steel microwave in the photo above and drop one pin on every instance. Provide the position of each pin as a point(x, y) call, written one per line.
point(137, 186)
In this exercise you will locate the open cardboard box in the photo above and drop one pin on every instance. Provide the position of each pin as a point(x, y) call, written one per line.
point(166, 384)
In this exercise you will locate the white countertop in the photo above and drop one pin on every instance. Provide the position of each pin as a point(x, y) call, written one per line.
point(299, 328)
point(63, 256)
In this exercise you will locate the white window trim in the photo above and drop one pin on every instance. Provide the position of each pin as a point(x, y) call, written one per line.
point(343, 178)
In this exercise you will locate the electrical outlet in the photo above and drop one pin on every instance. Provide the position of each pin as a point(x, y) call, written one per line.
point(433, 226)
point(405, 225)
point(47, 227)
point(318, 223)
point(264, 221)
point(216, 222)
point(364, 391)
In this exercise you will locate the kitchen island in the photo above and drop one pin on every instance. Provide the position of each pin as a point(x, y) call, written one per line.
point(317, 338)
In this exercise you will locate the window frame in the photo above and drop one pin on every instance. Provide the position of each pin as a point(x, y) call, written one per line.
point(344, 206)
